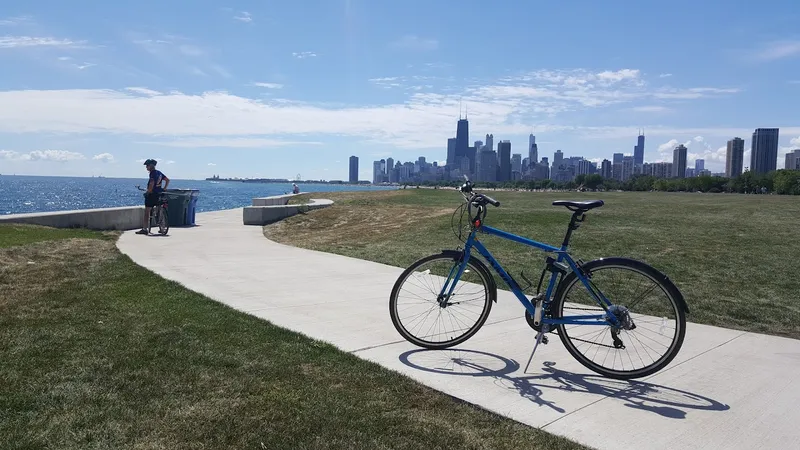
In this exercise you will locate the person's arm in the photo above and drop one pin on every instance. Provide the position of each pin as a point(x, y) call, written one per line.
point(166, 182)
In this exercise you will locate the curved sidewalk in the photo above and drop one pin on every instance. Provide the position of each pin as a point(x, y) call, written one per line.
point(726, 389)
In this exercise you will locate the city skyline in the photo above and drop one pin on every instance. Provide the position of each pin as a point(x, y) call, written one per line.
point(484, 163)
point(237, 91)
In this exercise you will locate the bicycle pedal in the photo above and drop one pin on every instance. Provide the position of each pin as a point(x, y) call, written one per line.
point(545, 341)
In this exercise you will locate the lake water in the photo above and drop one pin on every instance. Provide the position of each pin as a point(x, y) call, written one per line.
point(25, 194)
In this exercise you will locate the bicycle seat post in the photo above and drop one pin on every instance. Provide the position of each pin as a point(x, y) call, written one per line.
point(574, 223)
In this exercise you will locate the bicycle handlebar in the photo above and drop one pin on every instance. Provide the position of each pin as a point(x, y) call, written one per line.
point(481, 199)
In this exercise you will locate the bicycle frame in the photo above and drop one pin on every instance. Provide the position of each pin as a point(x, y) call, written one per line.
point(562, 256)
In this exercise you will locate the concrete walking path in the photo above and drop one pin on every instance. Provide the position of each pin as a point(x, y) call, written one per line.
point(726, 389)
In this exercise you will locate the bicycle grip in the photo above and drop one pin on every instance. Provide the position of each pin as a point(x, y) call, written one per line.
point(491, 201)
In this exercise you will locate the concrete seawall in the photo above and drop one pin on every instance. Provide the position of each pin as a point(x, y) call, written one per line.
point(267, 210)
point(124, 218)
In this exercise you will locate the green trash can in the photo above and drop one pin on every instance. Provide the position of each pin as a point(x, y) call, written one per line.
point(177, 206)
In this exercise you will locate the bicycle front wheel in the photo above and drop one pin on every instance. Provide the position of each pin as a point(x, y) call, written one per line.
point(424, 317)
point(650, 310)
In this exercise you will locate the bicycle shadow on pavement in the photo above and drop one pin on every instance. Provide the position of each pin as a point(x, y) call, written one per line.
point(662, 400)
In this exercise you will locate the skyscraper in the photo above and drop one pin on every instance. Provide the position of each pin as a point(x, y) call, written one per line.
point(558, 158)
point(377, 172)
point(699, 166)
point(451, 153)
point(605, 169)
point(353, 170)
point(792, 161)
point(679, 161)
point(462, 138)
point(389, 165)
point(516, 163)
point(504, 153)
point(489, 142)
point(734, 158)
point(764, 150)
point(638, 150)
point(488, 165)
point(533, 151)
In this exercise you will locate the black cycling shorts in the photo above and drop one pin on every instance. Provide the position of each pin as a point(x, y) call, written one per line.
point(151, 200)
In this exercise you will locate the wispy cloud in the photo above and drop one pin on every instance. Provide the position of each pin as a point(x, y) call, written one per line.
point(651, 109)
point(233, 142)
point(42, 155)
point(304, 55)
point(14, 21)
point(268, 85)
point(84, 65)
point(776, 50)
point(795, 141)
point(211, 164)
point(665, 75)
point(416, 43)
point(182, 53)
point(244, 16)
point(32, 41)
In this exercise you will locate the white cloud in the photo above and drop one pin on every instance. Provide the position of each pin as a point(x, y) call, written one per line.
point(268, 85)
point(84, 66)
point(412, 42)
point(64, 58)
point(211, 164)
point(777, 50)
point(244, 16)
point(31, 41)
point(304, 55)
point(42, 155)
point(104, 157)
point(421, 120)
point(665, 75)
point(795, 141)
point(232, 142)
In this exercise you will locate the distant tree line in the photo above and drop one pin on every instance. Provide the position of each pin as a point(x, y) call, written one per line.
point(782, 182)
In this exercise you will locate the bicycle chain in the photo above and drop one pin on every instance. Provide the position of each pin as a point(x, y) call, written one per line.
point(584, 340)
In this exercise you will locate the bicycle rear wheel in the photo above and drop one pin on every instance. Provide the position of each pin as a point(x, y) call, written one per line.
point(163, 220)
point(649, 306)
point(427, 319)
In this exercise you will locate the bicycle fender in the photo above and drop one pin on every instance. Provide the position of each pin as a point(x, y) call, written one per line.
point(481, 267)
point(660, 276)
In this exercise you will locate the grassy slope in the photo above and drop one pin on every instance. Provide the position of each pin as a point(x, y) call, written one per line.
point(733, 256)
point(99, 353)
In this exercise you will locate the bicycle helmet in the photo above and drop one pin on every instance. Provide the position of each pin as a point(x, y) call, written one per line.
point(150, 161)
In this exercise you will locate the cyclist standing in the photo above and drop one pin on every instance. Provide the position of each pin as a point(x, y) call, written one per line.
point(154, 189)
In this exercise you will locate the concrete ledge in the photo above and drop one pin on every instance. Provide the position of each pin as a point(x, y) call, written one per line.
point(263, 215)
point(124, 218)
point(274, 200)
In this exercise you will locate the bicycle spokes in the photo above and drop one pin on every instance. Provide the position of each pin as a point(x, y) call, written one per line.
point(642, 324)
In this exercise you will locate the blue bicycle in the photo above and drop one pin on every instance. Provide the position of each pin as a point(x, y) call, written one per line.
point(617, 316)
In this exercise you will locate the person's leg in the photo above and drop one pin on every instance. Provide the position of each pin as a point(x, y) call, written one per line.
point(146, 218)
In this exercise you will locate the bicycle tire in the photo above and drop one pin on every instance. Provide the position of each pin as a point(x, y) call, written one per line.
point(163, 217)
point(662, 281)
point(490, 296)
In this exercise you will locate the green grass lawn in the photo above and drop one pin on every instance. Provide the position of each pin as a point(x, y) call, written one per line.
point(97, 352)
point(734, 257)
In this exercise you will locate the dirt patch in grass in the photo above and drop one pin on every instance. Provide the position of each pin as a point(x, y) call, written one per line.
point(30, 270)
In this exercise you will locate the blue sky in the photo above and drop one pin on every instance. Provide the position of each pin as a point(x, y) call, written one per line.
point(276, 89)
